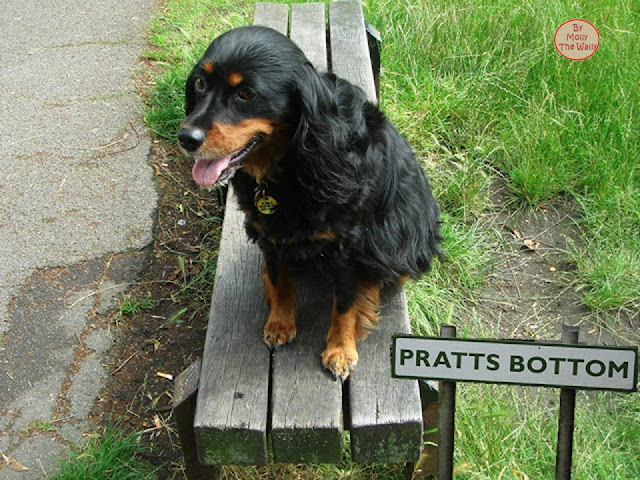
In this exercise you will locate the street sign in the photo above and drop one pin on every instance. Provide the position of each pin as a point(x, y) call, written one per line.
point(515, 362)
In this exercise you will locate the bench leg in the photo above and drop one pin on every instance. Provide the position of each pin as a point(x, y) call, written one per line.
point(427, 466)
point(184, 409)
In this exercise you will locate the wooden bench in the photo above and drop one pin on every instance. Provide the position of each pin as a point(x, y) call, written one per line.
point(244, 405)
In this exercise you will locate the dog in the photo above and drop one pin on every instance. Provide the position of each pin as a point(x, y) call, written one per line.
point(326, 182)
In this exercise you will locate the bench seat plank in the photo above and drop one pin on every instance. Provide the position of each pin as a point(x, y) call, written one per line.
point(309, 32)
point(231, 413)
point(272, 15)
point(306, 402)
point(231, 418)
point(349, 48)
point(385, 413)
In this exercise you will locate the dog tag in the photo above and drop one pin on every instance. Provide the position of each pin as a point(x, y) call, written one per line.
point(267, 205)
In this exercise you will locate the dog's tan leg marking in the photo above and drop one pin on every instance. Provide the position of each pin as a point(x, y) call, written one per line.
point(341, 355)
point(281, 324)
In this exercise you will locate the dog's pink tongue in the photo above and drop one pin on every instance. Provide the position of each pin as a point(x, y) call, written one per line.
point(207, 172)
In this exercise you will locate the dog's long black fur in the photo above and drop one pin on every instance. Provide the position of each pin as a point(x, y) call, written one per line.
point(353, 203)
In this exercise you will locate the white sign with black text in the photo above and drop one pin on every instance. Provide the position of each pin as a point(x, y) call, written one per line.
point(515, 362)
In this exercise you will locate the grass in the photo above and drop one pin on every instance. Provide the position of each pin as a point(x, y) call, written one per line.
point(437, 298)
point(41, 426)
point(198, 271)
point(484, 86)
point(133, 306)
point(507, 433)
point(111, 455)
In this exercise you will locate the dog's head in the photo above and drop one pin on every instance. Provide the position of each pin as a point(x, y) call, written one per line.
point(244, 102)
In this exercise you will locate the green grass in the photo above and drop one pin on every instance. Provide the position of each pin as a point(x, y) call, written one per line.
point(504, 432)
point(481, 83)
point(198, 271)
point(40, 425)
point(110, 455)
point(132, 306)
point(439, 297)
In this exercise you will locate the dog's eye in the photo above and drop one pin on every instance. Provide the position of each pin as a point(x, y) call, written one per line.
point(246, 94)
point(200, 85)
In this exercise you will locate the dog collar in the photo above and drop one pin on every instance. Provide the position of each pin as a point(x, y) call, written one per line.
point(266, 204)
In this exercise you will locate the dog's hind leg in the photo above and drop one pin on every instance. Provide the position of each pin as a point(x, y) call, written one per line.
point(280, 295)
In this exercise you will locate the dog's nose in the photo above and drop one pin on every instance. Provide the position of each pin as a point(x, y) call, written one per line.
point(191, 138)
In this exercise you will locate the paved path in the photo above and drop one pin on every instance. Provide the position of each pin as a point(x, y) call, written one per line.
point(76, 209)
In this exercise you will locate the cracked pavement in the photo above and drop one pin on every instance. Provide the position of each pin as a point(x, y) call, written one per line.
point(76, 213)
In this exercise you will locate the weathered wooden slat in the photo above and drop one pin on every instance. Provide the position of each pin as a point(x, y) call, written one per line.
point(308, 31)
point(231, 413)
point(349, 48)
point(306, 403)
point(306, 400)
point(386, 415)
point(386, 422)
point(232, 407)
point(273, 15)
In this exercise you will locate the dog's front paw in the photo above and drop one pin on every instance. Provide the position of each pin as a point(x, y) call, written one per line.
point(279, 331)
point(340, 361)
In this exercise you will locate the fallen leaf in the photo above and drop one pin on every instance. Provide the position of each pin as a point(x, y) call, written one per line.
point(520, 474)
point(517, 233)
point(14, 464)
point(542, 208)
point(168, 376)
point(157, 422)
point(530, 244)
point(152, 341)
point(552, 269)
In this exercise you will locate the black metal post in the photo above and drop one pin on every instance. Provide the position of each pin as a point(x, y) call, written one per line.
point(566, 416)
point(446, 421)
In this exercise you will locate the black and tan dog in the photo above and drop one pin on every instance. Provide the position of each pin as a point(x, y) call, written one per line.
point(326, 182)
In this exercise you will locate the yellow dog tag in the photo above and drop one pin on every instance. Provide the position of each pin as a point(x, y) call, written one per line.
point(267, 205)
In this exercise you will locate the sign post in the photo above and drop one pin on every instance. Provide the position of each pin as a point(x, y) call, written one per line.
point(566, 365)
point(446, 419)
point(564, 449)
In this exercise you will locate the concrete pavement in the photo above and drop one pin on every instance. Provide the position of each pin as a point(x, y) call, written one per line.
point(77, 201)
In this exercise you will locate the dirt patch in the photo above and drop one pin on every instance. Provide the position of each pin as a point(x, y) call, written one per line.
point(170, 331)
point(531, 289)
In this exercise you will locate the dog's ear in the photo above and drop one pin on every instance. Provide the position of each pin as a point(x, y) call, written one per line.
point(318, 110)
point(326, 167)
